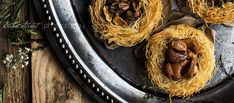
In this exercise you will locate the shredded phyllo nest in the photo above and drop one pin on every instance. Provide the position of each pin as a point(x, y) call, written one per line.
point(121, 33)
point(155, 52)
point(214, 12)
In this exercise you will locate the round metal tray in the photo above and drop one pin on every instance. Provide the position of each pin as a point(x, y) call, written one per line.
point(120, 75)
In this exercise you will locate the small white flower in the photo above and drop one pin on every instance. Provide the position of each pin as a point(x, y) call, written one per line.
point(26, 63)
point(4, 61)
point(19, 50)
point(22, 66)
point(7, 58)
point(14, 67)
point(21, 61)
point(26, 58)
point(10, 56)
point(27, 49)
point(22, 57)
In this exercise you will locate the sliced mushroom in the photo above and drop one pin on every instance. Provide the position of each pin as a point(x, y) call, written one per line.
point(190, 54)
point(175, 57)
point(114, 7)
point(119, 21)
point(191, 68)
point(195, 71)
point(107, 14)
point(178, 45)
point(177, 71)
point(177, 68)
point(123, 6)
point(123, 11)
point(193, 45)
point(168, 70)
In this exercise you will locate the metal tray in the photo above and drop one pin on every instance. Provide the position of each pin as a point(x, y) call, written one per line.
point(120, 75)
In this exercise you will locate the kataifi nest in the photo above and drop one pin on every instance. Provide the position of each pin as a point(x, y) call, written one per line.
point(155, 52)
point(127, 36)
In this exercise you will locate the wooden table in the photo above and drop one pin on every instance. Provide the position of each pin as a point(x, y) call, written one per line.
point(44, 80)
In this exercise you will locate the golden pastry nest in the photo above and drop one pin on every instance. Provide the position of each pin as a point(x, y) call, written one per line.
point(132, 34)
point(213, 14)
point(156, 49)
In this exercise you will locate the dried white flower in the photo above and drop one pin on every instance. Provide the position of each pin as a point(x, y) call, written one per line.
point(26, 63)
point(21, 57)
point(22, 66)
point(26, 57)
point(27, 49)
point(4, 61)
point(19, 50)
point(7, 58)
point(11, 56)
point(20, 61)
point(14, 67)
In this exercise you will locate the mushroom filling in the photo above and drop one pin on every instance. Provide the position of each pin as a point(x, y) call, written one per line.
point(218, 3)
point(181, 58)
point(123, 12)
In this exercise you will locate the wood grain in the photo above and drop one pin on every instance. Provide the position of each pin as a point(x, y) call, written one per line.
point(51, 83)
point(16, 82)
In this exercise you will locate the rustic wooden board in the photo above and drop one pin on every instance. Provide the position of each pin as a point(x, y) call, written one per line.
point(17, 88)
point(51, 83)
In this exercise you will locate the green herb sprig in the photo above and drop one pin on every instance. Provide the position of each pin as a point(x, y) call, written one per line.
point(10, 11)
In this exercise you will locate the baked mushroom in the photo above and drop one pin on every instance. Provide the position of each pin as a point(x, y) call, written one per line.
point(174, 70)
point(181, 58)
point(175, 57)
point(192, 44)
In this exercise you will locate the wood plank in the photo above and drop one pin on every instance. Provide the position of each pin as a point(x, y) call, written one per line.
point(16, 82)
point(51, 83)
